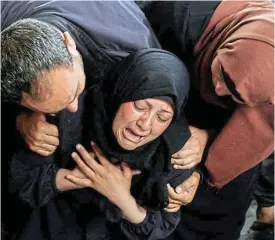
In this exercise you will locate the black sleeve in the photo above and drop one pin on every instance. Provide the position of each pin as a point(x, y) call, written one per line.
point(33, 177)
point(156, 225)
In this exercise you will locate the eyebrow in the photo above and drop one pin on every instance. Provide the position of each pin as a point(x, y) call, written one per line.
point(150, 105)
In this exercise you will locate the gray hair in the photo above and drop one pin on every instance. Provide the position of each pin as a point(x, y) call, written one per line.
point(29, 49)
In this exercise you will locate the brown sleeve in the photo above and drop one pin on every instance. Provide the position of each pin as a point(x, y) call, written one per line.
point(246, 140)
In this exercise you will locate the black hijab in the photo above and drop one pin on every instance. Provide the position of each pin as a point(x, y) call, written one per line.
point(148, 73)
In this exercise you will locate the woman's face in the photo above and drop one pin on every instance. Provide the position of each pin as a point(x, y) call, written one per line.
point(139, 122)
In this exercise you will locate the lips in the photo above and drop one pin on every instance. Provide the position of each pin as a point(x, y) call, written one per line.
point(132, 136)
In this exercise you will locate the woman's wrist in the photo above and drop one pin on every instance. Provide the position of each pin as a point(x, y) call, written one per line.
point(61, 183)
point(131, 211)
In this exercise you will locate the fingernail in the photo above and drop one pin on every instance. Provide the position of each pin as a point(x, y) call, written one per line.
point(176, 166)
point(78, 146)
point(178, 189)
point(92, 143)
point(73, 154)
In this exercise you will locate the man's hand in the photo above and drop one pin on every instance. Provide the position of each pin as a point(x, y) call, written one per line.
point(191, 153)
point(40, 136)
point(184, 193)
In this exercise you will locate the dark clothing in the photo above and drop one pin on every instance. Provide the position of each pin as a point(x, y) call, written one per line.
point(212, 214)
point(264, 192)
point(148, 73)
point(104, 32)
point(145, 74)
point(178, 26)
point(217, 215)
point(65, 215)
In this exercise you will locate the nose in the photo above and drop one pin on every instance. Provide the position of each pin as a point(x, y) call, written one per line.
point(145, 122)
point(72, 107)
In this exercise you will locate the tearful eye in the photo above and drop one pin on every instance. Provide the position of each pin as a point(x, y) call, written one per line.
point(140, 108)
point(161, 119)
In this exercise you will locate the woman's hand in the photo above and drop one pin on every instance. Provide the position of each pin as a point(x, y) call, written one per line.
point(191, 153)
point(111, 181)
point(104, 177)
point(63, 184)
point(184, 193)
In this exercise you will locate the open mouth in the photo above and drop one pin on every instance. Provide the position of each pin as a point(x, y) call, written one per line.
point(132, 136)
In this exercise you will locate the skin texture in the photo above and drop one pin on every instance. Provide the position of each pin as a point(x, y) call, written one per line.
point(66, 85)
point(139, 122)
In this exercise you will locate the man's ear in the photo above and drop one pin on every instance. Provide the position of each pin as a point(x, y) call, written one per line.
point(68, 40)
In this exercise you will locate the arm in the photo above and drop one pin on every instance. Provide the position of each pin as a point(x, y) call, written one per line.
point(156, 225)
point(38, 179)
point(246, 140)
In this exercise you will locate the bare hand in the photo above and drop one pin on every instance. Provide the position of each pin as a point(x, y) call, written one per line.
point(63, 184)
point(191, 153)
point(184, 193)
point(104, 177)
point(40, 136)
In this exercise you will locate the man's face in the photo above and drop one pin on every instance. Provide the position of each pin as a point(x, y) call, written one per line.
point(66, 85)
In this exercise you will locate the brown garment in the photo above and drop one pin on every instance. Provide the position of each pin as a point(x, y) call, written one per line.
point(240, 39)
